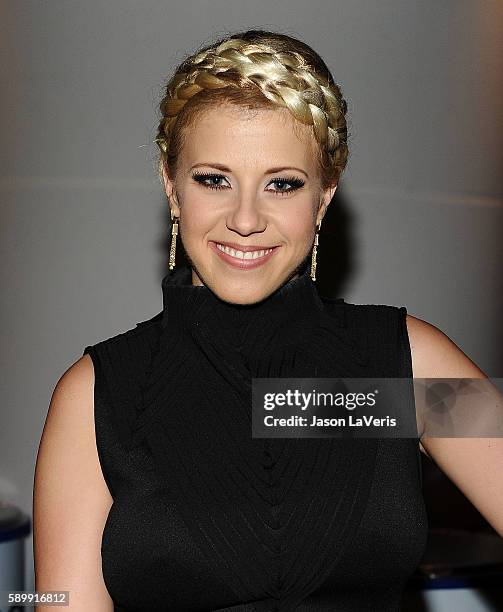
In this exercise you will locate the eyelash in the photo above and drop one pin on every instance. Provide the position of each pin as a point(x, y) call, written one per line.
point(292, 180)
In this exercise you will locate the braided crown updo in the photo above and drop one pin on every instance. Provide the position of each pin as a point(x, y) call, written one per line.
point(256, 69)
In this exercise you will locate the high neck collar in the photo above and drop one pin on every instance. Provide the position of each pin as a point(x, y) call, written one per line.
point(197, 307)
point(203, 340)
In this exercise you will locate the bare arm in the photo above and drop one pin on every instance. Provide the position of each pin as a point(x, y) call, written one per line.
point(70, 497)
point(475, 465)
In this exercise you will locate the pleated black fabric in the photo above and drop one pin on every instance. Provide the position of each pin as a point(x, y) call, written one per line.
point(204, 516)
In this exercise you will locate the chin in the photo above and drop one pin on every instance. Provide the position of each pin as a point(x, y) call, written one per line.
point(239, 290)
point(239, 293)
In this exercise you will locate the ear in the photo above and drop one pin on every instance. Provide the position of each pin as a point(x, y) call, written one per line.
point(325, 201)
point(169, 188)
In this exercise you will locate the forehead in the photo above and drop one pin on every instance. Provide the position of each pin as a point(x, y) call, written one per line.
point(261, 137)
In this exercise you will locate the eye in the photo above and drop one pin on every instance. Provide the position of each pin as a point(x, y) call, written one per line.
point(210, 181)
point(203, 178)
point(294, 183)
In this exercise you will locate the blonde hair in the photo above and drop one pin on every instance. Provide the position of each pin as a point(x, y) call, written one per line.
point(256, 69)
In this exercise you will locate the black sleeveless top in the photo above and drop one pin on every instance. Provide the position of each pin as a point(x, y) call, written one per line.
point(207, 518)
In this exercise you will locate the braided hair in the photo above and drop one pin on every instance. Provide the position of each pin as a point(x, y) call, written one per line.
point(257, 69)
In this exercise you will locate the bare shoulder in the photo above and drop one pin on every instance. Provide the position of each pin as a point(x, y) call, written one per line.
point(435, 355)
point(70, 498)
point(76, 383)
point(69, 423)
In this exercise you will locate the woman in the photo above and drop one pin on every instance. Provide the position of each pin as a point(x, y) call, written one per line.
point(151, 493)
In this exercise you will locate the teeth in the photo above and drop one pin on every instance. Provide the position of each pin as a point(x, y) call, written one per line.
point(241, 254)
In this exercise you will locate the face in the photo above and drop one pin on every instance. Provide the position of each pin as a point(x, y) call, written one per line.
point(248, 181)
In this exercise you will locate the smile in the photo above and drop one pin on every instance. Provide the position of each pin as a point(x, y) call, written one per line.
point(242, 254)
point(248, 258)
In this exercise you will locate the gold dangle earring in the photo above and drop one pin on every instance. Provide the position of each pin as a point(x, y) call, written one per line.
point(314, 253)
point(174, 234)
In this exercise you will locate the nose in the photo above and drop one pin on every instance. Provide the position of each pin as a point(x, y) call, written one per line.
point(246, 217)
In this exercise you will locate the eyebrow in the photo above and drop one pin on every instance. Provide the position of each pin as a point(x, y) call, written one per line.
point(270, 171)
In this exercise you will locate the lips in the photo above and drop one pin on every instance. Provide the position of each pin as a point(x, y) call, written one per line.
point(246, 263)
point(243, 248)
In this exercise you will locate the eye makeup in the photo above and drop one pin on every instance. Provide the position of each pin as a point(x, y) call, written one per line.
point(203, 177)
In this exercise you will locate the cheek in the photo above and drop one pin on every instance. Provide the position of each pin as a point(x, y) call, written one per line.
point(198, 216)
point(297, 224)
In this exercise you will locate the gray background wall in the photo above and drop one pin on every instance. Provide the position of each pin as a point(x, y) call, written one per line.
point(82, 213)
